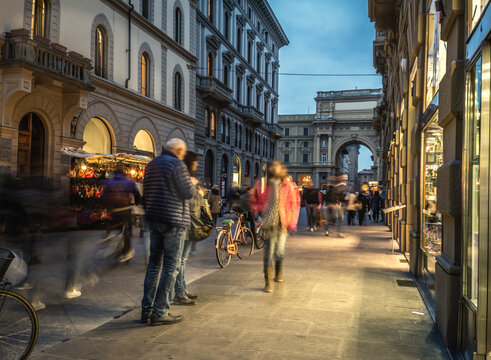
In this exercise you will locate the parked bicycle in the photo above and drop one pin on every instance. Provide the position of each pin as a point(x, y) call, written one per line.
point(232, 241)
point(260, 237)
point(19, 326)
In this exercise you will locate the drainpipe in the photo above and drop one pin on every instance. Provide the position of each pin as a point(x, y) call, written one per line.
point(128, 51)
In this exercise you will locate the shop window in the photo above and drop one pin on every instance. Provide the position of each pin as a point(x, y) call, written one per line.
point(101, 51)
point(40, 16)
point(474, 12)
point(144, 143)
point(236, 173)
point(31, 144)
point(472, 168)
point(145, 74)
point(431, 219)
point(97, 137)
point(436, 53)
point(178, 26)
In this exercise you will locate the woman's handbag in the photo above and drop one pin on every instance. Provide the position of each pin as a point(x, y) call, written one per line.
point(202, 227)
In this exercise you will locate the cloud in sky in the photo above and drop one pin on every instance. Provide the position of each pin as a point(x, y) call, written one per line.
point(326, 36)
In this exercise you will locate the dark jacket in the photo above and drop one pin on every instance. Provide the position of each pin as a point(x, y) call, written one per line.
point(167, 188)
point(376, 202)
point(311, 196)
point(117, 192)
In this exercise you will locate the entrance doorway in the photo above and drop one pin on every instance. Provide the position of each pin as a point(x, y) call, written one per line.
point(224, 176)
point(31, 146)
point(209, 169)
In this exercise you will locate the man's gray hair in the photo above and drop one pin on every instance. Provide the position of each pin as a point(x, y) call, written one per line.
point(174, 144)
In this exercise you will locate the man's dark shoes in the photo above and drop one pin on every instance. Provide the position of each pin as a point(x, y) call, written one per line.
point(146, 315)
point(167, 319)
point(184, 300)
point(191, 296)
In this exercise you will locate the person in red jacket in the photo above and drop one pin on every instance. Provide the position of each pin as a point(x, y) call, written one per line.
point(279, 205)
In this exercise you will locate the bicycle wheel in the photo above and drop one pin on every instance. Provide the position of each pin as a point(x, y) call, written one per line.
point(259, 238)
point(246, 241)
point(19, 326)
point(222, 241)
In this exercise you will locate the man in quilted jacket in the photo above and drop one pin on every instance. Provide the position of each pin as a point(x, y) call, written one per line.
point(168, 188)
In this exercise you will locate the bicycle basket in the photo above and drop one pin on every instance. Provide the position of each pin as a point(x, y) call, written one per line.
point(6, 257)
point(228, 222)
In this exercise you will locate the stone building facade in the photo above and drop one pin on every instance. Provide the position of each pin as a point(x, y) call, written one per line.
point(108, 76)
point(327, 143)
point(435, 59)
point(238, 45)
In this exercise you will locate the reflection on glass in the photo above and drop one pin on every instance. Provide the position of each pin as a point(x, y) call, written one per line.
point(476, 7)
point(436, 53)
point(433, 147)
point(473, 144)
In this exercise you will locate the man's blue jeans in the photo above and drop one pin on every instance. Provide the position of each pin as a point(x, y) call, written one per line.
point(166, 245)
point(180, 287)
point(274, 247)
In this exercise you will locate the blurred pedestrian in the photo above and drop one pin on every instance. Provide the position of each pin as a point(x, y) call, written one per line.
point(245, 207)
point(352, 206)
point(376, 203)
point(182, 296)
point(312, 200)
point(214, 201)
point(167, 188)
point(363, 201)
point(279, 205)
point(117, 198)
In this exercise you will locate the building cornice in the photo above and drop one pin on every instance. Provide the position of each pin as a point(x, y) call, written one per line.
point(122, 8)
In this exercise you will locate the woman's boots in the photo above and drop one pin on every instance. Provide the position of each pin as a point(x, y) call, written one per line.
point(268, 278)
point(279, 271)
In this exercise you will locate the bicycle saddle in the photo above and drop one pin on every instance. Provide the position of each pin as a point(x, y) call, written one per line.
point(228, 222)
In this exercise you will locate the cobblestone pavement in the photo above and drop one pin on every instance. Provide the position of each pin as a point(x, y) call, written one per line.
point(340, 300)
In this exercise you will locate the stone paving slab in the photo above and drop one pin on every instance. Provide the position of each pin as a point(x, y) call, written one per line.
point(340, 300)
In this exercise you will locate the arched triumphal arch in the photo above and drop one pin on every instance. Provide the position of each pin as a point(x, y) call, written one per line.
point(320, 144)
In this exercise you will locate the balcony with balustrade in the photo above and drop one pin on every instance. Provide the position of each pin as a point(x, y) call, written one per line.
point(252, 115)
point(44, 58)
point(213, 88)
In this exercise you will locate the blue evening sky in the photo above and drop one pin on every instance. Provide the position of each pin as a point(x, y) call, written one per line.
point(326, 36)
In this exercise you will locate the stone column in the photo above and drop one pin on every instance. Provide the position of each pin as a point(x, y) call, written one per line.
point(329, 151)
point(317, 149)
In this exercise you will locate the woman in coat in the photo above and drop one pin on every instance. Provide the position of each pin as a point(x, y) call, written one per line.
point(214, 201)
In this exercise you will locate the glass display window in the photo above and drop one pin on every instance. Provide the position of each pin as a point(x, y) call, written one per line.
point(432, 220)
point(472, 180)
point(436, 53)
point(474, 12)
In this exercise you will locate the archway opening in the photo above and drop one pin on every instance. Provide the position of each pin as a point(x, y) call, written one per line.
point(144, 144)
point(236, 173)
point(31, 146)
point(209, 168)
point(224, 176)
point(356, 161)
point(97, 137)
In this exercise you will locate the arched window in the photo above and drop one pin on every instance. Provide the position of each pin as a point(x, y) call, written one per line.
point(226, 75)
point(145, 8)
point(101, 40)
point(211, 10)
point(209, 168)
point(31, 146)
point(213, 125)
point(145, 74)
point(237, 90)
point(239, 39)
point(266, 106)
point(97, 137)
point(258, 62)
point(144, 143)
point(210, 65)
point(207, 123)
point(178, 26)
point(178, 91)
point(273, 78)
point(249, 52)
point(222, 130)
point(249, 94)
point(266, 71)
point(226, 26)
point(40, 18)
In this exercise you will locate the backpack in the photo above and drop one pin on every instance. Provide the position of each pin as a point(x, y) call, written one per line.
point(202, 227)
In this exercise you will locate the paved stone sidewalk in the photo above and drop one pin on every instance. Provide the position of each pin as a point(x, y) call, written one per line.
point(340, 300)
